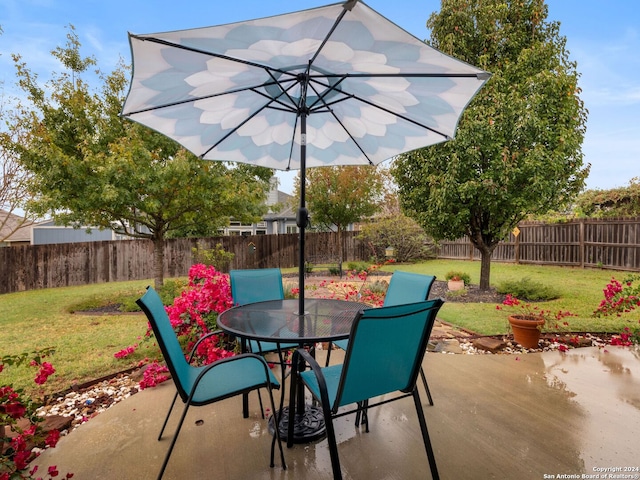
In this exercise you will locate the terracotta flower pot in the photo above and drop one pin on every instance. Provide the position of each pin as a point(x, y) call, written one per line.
point(455, 285)
point(526, 329)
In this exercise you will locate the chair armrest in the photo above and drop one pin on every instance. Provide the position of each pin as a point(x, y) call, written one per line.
point(317, 371)
point(268, 383)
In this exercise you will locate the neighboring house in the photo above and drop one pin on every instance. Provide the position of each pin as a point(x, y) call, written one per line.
point(48, 231)
point(14, 230)
point(281, 217)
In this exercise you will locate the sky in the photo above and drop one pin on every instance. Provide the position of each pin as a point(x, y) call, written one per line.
point(602, 37)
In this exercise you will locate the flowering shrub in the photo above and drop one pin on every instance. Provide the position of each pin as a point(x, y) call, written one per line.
point(18, 415)
point(621, 297)
point(193, 315)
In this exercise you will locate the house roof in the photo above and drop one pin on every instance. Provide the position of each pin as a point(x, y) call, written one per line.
point(14, 229)
point(286, 211)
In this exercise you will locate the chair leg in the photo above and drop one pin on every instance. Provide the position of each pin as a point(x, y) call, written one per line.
point(333, 447)
point(426, 386)
point(425, 435)
point(293, 388)
point(173, 441)
point(175, 397)
point(277, 415)
point(329, 348)
point(362, 415)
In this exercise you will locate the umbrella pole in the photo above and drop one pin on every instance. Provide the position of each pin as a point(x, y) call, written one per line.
point(302, 218)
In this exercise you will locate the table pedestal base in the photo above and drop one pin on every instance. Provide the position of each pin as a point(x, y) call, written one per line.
point(308, 426)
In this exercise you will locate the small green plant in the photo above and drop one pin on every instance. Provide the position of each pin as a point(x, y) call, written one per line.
point(378, 287)
point(527, 289)
point(458, 275)
point(217, 257)
point(334, 271)
point(359, 266)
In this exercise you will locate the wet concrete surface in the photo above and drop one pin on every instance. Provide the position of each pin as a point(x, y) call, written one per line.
point(531, 416)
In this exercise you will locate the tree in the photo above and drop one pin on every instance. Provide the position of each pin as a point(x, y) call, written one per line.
point(15, 179)
point(92, 168)
point(13, 184)
point(518, 145)
point(615, 202)
point(339, 196)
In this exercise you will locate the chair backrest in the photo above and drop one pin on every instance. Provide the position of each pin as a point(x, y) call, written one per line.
point(259, 285)
point(406, 287)
point(151, 304)
point(386, 348)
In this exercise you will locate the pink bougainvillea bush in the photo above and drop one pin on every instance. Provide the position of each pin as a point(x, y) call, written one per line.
point(193, 315)
point(20, 427)
point(620, 298)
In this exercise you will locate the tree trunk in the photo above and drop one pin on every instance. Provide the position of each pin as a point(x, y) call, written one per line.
point(158, 262)
point(486, 249)
point(485, 268)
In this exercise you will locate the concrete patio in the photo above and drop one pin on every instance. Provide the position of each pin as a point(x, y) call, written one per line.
point(532, 416)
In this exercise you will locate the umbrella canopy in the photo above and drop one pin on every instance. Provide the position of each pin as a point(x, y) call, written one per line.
point(335, 85)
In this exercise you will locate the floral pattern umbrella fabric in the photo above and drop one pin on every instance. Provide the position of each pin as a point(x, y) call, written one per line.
point(335, 85)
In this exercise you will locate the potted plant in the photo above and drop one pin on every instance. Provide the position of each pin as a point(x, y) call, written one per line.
point(457, 280)
point(527, 320)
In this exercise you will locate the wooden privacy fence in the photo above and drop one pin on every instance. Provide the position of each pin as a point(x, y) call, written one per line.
point(601, 243)
point(67, 264)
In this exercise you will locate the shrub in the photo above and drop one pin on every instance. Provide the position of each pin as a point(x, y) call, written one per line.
point(217, 257)
point(18, 414)
point(527, 289)
point(400, 232)
point(359, 266)
point(334, 271)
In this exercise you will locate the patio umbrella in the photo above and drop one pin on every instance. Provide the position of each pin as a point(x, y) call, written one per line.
point(335, 85)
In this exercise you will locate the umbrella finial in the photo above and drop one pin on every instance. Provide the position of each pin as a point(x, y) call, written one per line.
point(349, 4)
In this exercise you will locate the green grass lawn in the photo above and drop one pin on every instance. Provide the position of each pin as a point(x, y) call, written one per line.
point(85, 344)
point(580, 293)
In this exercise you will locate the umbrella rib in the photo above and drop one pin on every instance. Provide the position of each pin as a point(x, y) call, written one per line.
point(252, 88)
point(235, 129)
point(403, 117)
point(327, 106)
point(205, 52)
point(328, 35)
point(477, 75)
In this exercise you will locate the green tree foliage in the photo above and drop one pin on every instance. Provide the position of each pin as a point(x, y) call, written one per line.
point(518, 146)
point(616, 202)
point(92, 168)
point(339, 196)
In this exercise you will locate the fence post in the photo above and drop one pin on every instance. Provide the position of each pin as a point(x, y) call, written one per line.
point(581, 241)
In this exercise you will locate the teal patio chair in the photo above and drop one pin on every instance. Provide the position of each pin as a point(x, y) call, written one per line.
point(259, 285)
point(202, 385)
point(370, 370)
point(404, 287)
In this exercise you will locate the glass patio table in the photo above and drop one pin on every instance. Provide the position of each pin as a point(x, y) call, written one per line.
point(323, 320)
